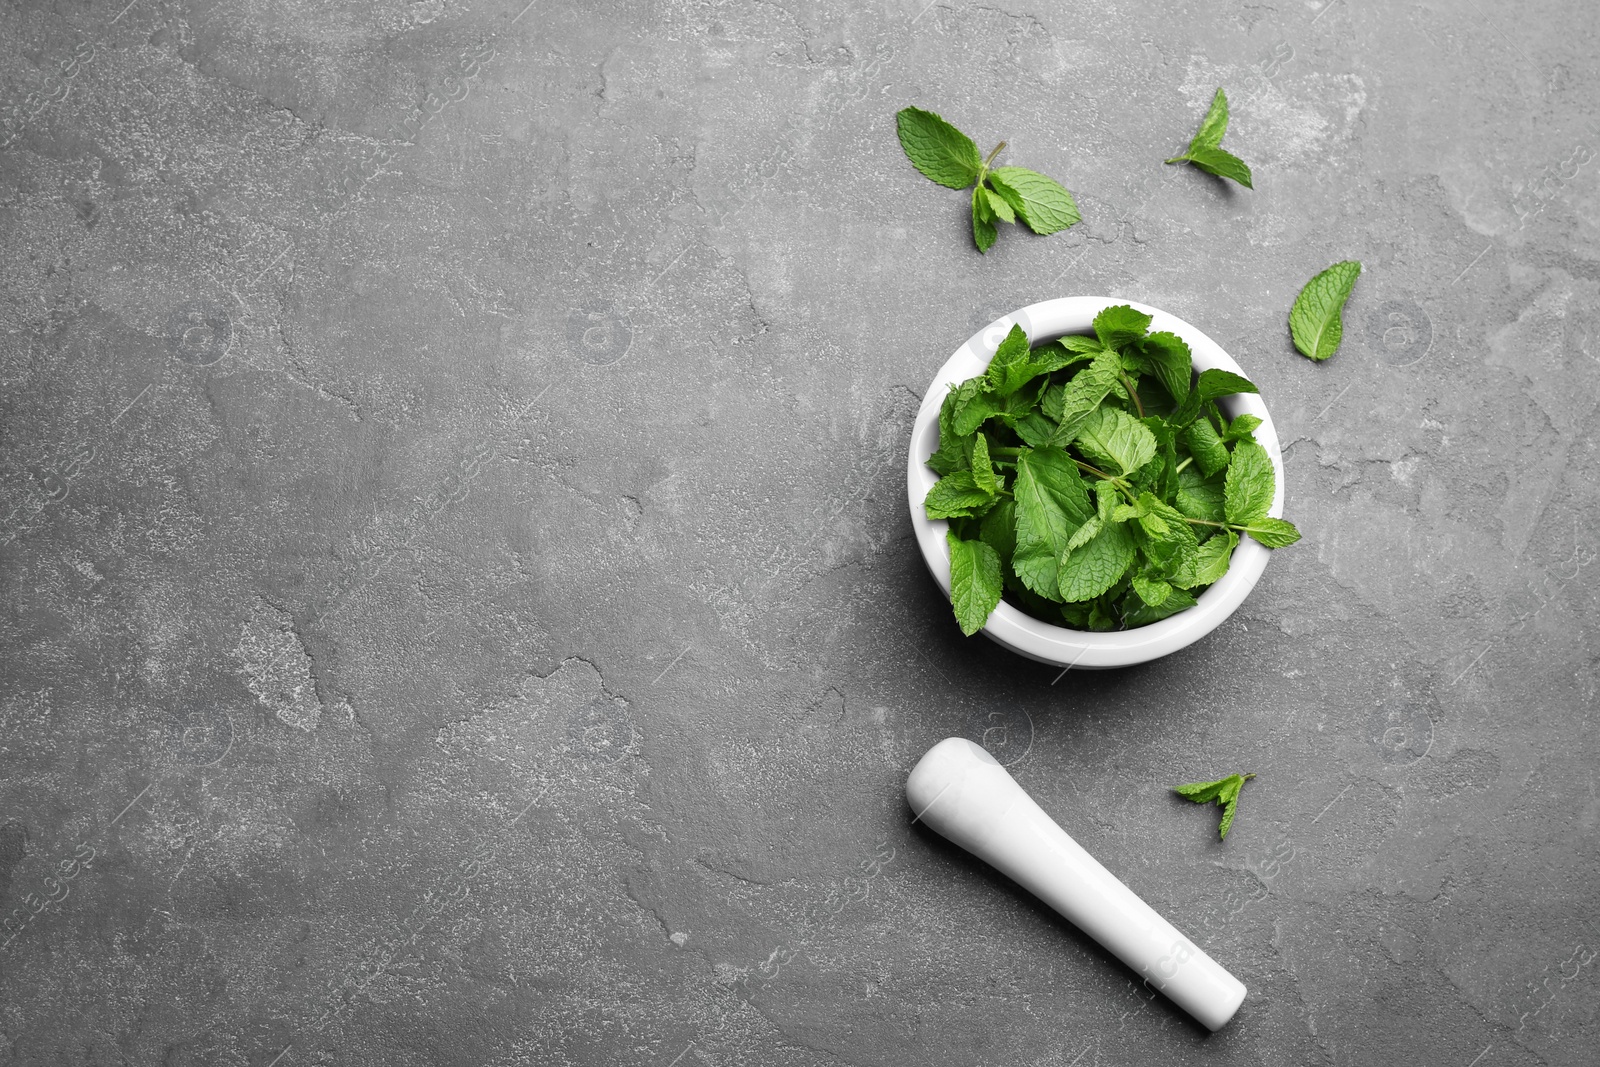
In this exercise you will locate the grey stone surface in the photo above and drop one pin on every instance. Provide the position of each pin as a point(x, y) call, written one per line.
point(459, 605)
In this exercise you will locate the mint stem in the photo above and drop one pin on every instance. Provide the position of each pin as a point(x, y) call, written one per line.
point(1134, 393)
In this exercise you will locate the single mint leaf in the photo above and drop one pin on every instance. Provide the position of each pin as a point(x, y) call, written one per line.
point(1222, 163)
point(1214, 383)
point(975, 582)
point(1051, 504)
point(1084, 394)
point(1144, 614)
point(1315, 321)
point(1115, 441)
point(1250, 485)
point(1171, 362)
point(983, 227)
point(1215, 553)
point(1042, 203)
point(948, 460)
point(1201, 792)
point(1153, 591)
point(1242, 428)
point(1120, 325)
point(982, 468)
point(1199, 497)
point(1209, 453)
point(1088, 571)
point(1086, 345)
point(973, 406)
point(1224, 791)
point(999, 206)
point(955, 496)
point(1034, 429)
point(940, 151)
point(998, 530)
point(1013, 350)
point(1274, 533)
point(1214, 125)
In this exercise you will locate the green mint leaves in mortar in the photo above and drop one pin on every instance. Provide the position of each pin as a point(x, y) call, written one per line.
point(1094, 482)
point(999, 194)
point(1225, 791)
point(1314, 321)
point(1205, 150)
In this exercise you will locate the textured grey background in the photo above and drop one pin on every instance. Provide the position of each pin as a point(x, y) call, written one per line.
point(459, 605)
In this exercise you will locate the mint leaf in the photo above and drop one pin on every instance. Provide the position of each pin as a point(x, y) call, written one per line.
point(1042, 203)
point(1250, 484)
point(984, 231)
point(1084, 393)
point(1120, 325)
point(1143, 614)
point(1051, 504)
point(982, 468)
point(1214, 555)
point(998, 205)
point(1201, 439)
point(1221, 163)
point(998, 530)
point(1205, 148)
point(940, 151)
point(1153, 591)
point(955, 496)
point(1012, 366)
point(1199, 497)
point(1171, 362)
point(1314, 321)
point(1214, 125)
point(1224, 791)
point(1085, 345)
point(973, 405)
point(1215, 382)
point(975, 582)
point(1115, 441)
point(1091, 569)
point(1241, 429)
point(1274, 533)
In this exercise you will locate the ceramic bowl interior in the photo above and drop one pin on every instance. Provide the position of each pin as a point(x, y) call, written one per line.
point(1009, 625)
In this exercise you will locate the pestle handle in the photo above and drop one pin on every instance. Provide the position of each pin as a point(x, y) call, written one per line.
point(960, 790)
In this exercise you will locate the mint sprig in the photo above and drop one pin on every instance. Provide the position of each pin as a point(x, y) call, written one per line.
point(1093, 481)
point(1315, 321)
point(1002, 194)
point(1224, 791)
point(1205, 150)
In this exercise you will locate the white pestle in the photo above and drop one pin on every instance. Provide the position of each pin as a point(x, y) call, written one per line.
point(962, 792)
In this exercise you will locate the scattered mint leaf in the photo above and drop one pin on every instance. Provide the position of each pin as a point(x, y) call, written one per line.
point(1314, 321)
point(940, 151)
point(975, 582)
point(984, 230)
point(1224, 791)
point(1221, 163)
point(999, 206)
point(1042, 203)
point(1250, 484)
point(1205, 149)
